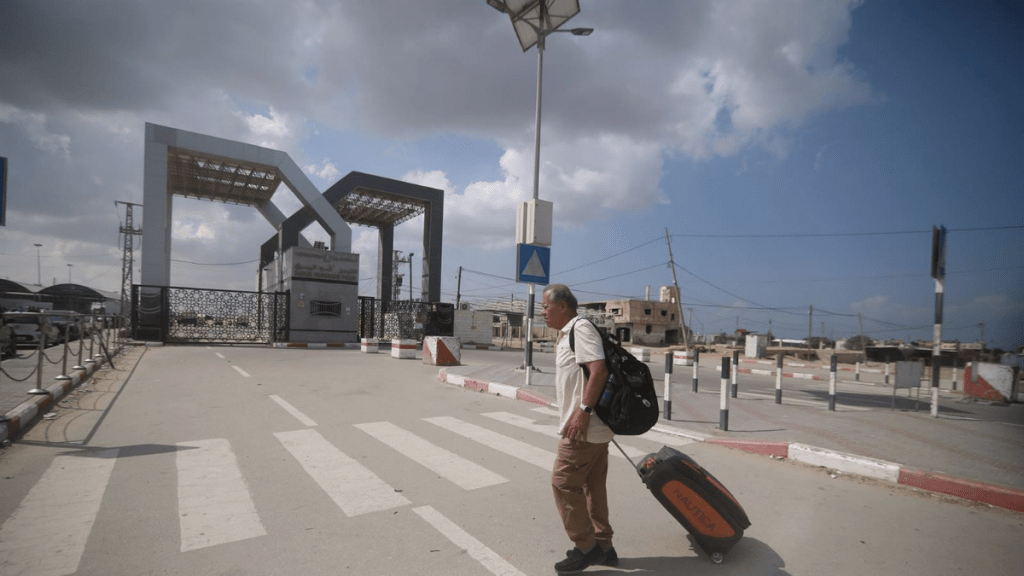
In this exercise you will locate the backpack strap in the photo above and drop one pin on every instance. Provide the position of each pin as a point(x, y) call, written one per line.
point(572, 343)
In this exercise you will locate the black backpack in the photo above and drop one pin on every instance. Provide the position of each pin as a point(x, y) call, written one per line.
point(628, 404)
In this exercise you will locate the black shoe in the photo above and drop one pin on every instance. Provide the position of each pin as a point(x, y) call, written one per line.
point(577, 561)
point(611, 558)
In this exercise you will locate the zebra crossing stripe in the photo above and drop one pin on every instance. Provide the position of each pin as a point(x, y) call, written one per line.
point(214, 506)
point(476, 549)
point(292, 410)
point(464, 473)
point(352, 486)
point(515, 448)
point(552, 430)
point(46, 535)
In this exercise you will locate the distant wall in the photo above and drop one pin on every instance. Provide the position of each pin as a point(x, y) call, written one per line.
point(473, 326)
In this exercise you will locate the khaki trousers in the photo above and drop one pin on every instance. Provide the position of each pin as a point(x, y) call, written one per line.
point(579, 480)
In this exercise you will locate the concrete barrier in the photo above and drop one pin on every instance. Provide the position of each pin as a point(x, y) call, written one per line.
point(986, 381)
point(403, 348)
point(442, 351)
point(682, 358)
point(642, 354)
point(369, 345)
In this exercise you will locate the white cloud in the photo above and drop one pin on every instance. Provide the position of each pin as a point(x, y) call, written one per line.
point(327, 171)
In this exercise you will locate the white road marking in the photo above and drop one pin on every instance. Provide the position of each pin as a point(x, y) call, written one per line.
point(464, 473)
point(547, 410)
point(667, 439)
point(293, 410)
point(219, 355)
point(552, 431)
point(515, 448)
point(476, 549)
point(46, 535)
point(242, 372)
point(801, 402)
point(352, 486)
point(214, 505)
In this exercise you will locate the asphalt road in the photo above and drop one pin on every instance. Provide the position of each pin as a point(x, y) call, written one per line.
point(254, 461)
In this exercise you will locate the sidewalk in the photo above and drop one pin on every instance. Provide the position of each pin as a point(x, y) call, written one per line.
point(953, 454)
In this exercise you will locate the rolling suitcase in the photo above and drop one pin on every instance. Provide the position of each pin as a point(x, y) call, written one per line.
point(696, 499)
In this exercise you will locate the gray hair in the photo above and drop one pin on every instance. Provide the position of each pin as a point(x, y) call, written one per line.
point(561, 293)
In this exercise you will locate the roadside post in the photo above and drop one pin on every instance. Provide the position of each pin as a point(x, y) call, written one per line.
point(64, 365)
point(832, 384)
point(38, 390)
point(723, 406)
point(696, 360)
point(778, 378)
point(735, 371)
point(668, 386)
point(939, 274)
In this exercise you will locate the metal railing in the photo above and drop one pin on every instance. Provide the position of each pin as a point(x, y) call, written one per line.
point(52, 338)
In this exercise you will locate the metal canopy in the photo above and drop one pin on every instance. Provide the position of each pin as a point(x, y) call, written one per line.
point(208, 177)
point(368, 207)
point(530, 17)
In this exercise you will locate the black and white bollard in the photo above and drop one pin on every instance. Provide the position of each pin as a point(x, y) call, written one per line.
point(735, 371)
point(856, 375)
point(668, 386)
point(778, 378)
point(696, 360)
point(832, 384)
point(723, 407)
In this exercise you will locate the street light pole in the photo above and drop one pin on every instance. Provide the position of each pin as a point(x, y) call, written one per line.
point(39, 266)
point(528, 32)
point(69, 273)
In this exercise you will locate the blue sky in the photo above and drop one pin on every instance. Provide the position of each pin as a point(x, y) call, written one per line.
point(798, 152)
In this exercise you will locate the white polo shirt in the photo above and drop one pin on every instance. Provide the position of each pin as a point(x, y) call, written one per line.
point(569, 378)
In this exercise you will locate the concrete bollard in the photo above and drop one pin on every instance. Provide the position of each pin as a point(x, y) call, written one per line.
point(642, 354)
point(403, 348)
point(369, 345)
point(441, 351)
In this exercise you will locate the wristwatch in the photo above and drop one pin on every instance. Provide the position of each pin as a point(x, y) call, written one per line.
point(586, 408)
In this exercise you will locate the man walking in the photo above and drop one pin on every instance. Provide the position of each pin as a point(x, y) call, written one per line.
point(580, 474)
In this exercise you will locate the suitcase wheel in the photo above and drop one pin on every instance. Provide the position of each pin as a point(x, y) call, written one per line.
point(717, 557)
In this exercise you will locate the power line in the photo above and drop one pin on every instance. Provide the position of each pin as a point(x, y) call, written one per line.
point(842, 234)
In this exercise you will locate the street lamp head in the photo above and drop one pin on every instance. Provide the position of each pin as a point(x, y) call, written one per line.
point(582, 31)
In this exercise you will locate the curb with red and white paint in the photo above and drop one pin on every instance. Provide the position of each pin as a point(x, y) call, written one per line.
point(994, 495)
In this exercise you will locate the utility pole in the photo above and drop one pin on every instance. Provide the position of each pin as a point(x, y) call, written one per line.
point(679, 296)
point(810, 327)
point(398, 277)
point(129, 231)
point(458, 290)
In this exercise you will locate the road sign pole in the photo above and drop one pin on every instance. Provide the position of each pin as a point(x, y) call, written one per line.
point(529, 334)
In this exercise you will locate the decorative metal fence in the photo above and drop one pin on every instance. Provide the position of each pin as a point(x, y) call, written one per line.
point(179, 315)
point(404, 319)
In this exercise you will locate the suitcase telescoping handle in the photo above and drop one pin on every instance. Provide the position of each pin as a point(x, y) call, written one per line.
point(638, 471)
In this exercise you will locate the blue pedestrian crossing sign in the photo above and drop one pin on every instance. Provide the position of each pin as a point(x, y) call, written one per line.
point(533, 264)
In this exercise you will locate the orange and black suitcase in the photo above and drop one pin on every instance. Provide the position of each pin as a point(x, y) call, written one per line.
point(696, 499)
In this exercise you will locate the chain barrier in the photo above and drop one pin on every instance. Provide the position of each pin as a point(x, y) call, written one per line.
point(41, 328)
point(8, 374)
